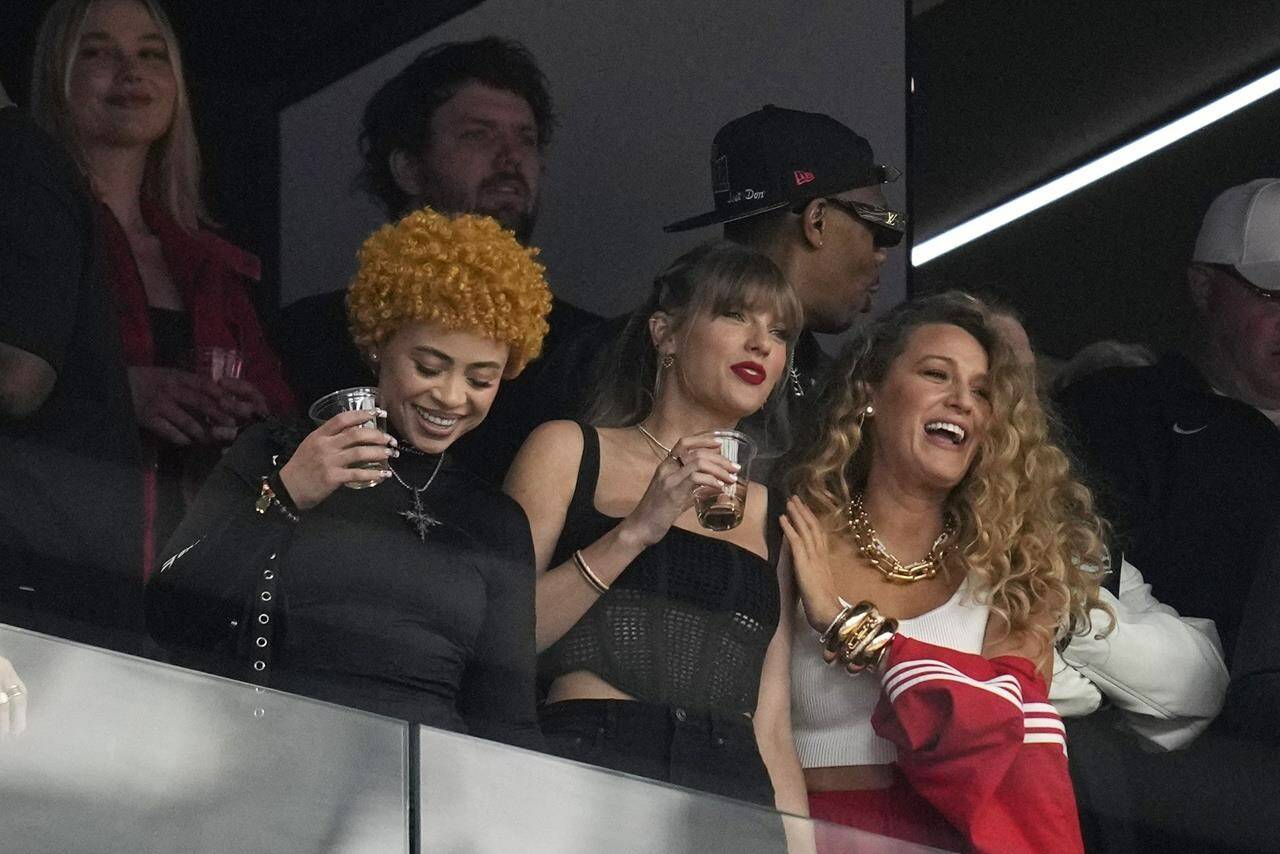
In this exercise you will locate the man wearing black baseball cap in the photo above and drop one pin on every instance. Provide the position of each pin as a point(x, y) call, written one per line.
point(805, 190)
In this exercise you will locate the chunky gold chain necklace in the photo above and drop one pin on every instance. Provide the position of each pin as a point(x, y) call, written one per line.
point(873, 551)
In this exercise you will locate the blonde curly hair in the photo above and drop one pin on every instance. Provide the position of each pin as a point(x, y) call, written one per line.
point(465, 273)
point(1026, 532)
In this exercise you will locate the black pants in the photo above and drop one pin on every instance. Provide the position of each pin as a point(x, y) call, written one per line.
point(701, 750)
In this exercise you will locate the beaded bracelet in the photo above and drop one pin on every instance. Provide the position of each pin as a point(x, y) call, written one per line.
point(267, 498)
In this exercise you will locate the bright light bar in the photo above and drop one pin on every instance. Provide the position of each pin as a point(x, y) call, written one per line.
point(952, 238)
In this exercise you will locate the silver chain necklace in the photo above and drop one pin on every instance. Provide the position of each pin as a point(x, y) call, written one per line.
point(418, 518)
point(797, 388)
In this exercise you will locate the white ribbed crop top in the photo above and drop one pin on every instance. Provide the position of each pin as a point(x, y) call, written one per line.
point(831, 710)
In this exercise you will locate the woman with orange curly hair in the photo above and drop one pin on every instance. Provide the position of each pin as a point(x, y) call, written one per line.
point(938, 539)
point(414, 598)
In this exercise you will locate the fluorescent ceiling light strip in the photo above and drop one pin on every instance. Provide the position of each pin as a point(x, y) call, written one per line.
point(1094, 170)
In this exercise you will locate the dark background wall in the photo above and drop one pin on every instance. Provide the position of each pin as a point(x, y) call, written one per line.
point(1010, 94)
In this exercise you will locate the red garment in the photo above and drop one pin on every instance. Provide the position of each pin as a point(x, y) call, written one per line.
point(979, 741)
point(897, 812)
point(213, 278)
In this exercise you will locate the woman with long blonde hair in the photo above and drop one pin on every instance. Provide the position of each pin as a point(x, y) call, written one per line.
point(107, 82)
point(939, 542)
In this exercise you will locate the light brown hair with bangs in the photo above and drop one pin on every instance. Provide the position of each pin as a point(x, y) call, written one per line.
point(712, 278)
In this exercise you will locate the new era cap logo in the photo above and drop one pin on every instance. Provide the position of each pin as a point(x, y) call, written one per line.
point(803, 178)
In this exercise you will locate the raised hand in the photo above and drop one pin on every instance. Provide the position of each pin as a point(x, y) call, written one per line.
point(694, 461)
point(811, 562)
point(328, 458)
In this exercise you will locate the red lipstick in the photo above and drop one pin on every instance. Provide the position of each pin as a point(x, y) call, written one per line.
point(752, 373)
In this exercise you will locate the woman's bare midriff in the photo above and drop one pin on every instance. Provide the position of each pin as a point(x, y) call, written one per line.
point(583, 685)
point(845, 778)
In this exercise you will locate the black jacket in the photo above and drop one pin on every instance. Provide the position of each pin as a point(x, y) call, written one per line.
point(1189, 478)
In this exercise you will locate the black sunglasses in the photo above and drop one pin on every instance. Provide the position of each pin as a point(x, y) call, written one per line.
point(1231, 272)
point(887, 226)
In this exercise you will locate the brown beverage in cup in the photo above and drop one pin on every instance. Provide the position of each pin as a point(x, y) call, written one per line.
point(721, 509)
point(345, 400)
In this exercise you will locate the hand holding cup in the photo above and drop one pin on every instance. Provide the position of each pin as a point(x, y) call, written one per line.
point(178, 406)
point(340, 452)
point(694, 463)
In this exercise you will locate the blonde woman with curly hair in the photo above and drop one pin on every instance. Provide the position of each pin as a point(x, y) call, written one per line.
point(412, 598)
point(938, 541)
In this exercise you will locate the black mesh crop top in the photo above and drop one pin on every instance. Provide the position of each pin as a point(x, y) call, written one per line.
point(686, 623)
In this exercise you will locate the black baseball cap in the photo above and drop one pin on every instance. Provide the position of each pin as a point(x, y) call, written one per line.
point(776, 158)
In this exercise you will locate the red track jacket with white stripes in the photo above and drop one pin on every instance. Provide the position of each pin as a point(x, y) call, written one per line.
point(978, 739)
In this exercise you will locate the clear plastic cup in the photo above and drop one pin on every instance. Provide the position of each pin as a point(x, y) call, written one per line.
point(722, 509)
point(346, 400)
point(218, 363)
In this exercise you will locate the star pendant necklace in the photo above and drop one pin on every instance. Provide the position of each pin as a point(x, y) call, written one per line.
point(418, 518)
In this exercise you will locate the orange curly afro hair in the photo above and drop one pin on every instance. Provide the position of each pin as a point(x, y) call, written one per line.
point(465, 273)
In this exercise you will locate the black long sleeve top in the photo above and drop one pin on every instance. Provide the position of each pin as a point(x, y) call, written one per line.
point(366, 614)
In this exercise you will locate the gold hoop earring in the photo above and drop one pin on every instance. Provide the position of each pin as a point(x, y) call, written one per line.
point(668, 360)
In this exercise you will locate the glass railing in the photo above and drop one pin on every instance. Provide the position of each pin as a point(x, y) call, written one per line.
point(122, 754)
point(478, 796)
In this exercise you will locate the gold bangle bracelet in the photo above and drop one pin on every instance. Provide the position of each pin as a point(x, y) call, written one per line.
point(874, 653)
point(589, 576)
point(852, 621)
point(851, 652)
point(845, 610)
point(855, 627)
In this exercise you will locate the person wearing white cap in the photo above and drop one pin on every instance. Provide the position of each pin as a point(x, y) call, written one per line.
point(1187, 451)
point(1235, 282)
point(1184, 457)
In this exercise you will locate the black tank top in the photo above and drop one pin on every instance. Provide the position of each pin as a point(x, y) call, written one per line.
point(686, 623)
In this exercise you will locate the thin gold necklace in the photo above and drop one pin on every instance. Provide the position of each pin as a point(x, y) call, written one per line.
point(873, 551)
point(654, 439)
